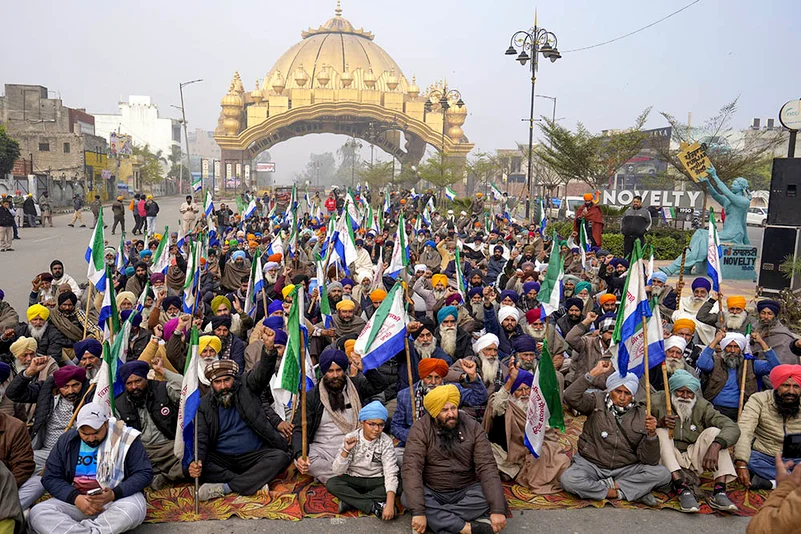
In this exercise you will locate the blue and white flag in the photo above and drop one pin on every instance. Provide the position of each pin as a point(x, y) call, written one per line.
point(95, 256)
point(197, 186)
point(190, 400)
point(192, 283)
point(450, 194)
point(208, 204)
point(543, 218)
point(400, 252)
point(161, 259)
point(108, 319)
point(255, 284)
point(121, 260)
point(250, 210)
point(384, 334)
point(713, 254)
point(629, 336)
point(496, 192)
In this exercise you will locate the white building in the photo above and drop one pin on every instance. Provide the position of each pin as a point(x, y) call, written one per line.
point(139, 117)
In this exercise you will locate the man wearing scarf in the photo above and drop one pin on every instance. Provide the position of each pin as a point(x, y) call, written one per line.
point(735, 317)
point(674, 361)
point(618, 450)
point(505, 424)
point(665, 294)
point(685, 328)
point(723, 372)
point(689, 306)
point(151, 407)
point(71, 320)
point(774, 333)
point(234, 270)
point(700, 442)
point(504, 325)
point(332, 410)
point(574, 315)
point(432, 373)
point(449, 474)
point(100, 453)
point(767, 417)
point(231, 348)
point(239, 450)
point(455, 341)
point(590, 347)
point(345, 321)
point(60, 277)
point(49, 339)
point(136, 284)
point(430, 256)
point(589, 215)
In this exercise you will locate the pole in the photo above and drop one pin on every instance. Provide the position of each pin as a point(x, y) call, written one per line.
point(90, 389)
point(535, 51)
point(409, 373)
point(790, 149)
point(88, 303)
point(197, 479)
point(681, 277)
point(186, 141)
point(742, 389)
point(303, 426)
point(667, 394)
point(647, 367)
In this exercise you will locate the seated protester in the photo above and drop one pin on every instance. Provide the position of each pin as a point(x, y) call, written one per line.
point(616, 280)
point(674, 361)
point(24, 350)
point(221, 306)
point(377, 296)
point(474, 305)
point(735, 317)
point(527, 358)
point(49, 339)
point(332, 411)
point(538, 329)
point(11, 518)
point(775, 334)
point(508, 407)
point(231, 347)
point(618, 450)
point(449, 475)
point(88, 354)
point(432, 372)
point(139, 338)
point(425, 343)
point(99, 453)
point(436, 293)
point(151, 407)
point(345, 321)
point(582, 292)
point(465, 319)
point(456, 342)
point(780, 513)
point(15, 443)
point(767, 417)
point(504, 325)
point(239, 450)
point(665, 294)
point(366, 469)
point(690, 305)
point(685, 328)
point(574, 314)
point(700, 442)
point(591, 348)
point(607, 303)
point(157, 347)
point(723, 371)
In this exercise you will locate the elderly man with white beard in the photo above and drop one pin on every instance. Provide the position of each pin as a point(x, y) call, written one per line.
point(735, 318)
point(425, 344)
point(665, 294)
point(506, 418)
point(49, 339)
point(527, 357)
point(689, 306)
point(537, 328)
point(456, 342)
point(491, 370)
point(774, 333)
point(674, 361)
point(700, 441)
point(724, 371)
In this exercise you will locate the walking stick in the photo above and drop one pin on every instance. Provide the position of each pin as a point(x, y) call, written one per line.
point(197, 479)
point(409, 373)
point(667, 395)
point(647, 367)
point(90, 389)
point(88, 303)
point(681, 278)
point(303, 426)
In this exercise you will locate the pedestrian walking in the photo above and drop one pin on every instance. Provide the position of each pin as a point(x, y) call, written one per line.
point(29, 209)
point(119, 215)
point(96, 206)
point(151, 212)
point(46, 207)
point(142, 209)
point(6, 225)
point(77, 205)
point(19, 215)
point(636, 222)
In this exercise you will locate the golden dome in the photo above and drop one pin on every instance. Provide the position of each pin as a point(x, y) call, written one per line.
point(343, 49)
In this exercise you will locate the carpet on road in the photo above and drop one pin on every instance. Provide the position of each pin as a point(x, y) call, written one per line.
point(294, 497)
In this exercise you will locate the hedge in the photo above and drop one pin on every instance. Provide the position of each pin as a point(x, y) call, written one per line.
point(668, 243)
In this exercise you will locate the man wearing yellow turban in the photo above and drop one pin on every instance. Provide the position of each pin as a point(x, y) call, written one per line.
point(449, 474)
point(49, 339)
point(735, 318)
point(345, 321)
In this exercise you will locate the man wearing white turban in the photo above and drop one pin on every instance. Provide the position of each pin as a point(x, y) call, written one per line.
point(503, 323)
point(724, 371)
point(618, 450)
point(674, 361)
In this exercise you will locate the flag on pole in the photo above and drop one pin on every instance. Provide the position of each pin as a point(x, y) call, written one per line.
point(255, 284)
point(208, 204)
point(325, 305)
point(250, 210)
point(378, 276)
point(161, 259)
point(384, 334)
point(551, 290)
point(108, 319)
point(543, 218)
point(461, 283)
point(400, 252)
point(192, 282)
point(583, 245)
point(121, 259)
point(544, 404)
point(450, 194)
point(649, 267)
point(714, 253)
point(496, 192)
point(386, 203)
point(628, 335)
point(109, 383)
point(190, 400)
point(198, 185)
point(343, 242)
point(94, 255)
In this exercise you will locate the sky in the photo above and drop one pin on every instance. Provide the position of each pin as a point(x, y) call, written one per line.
point(92, 54)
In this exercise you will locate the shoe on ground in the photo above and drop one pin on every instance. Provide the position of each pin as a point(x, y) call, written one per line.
point(18, 237)
point(71, 225)
point(210, 491)
point(265, 488)
point(648, 500)
point(759, 483)
point(378, 509)
point(83, 226)
point(688, 502)
point(159, 482)
point(344, 507)
point(9, 250)
point(481, 527)
point(720, 501)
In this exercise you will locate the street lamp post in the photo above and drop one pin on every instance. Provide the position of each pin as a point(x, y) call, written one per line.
point(443, 97)
point(186, 136)
point(538, 41)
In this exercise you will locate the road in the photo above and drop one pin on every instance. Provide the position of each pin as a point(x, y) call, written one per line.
point(39, 246)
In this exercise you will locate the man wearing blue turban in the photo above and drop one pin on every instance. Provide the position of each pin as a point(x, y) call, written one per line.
point(700, 441)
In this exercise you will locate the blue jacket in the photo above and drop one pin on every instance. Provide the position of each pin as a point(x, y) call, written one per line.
point(473, 394)
point(491, 325)
point(60, 469)
point(729, 396)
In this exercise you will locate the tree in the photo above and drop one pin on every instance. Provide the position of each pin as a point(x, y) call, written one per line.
point(590, 158)
point(151, 171)
point(442, 172)
point(543, 174)
point(176, 169)
point(320, 170)
point(377, 175)
point(9, 152)
point(351, 161)
point(733, 153)
point(484, 168)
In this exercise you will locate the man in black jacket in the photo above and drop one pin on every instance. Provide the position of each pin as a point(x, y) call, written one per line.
point(332, 410)
point(49, 339)
point(239, 450)
point(85, 497)
point(151, 407)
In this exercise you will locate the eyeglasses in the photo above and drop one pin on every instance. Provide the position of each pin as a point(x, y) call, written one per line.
point(372, 424)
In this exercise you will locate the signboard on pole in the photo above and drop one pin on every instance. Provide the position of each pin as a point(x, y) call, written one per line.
point(265, 167)
point(694, 160)
point(247, 173)
point(238, 170)
point(204, 169)
point(790, 115)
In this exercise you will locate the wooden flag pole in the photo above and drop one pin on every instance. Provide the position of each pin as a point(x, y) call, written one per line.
point(409, 373)
point(88, 304)
point(197, 479)
point(681, 278)
point(668, 408)
point(742, 389)
point(303, 426)
point(647, 367)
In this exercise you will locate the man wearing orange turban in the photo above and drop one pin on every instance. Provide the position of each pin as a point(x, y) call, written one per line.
point(432, 372)
point(735, 318)
point(608, 303)
point(589, 214)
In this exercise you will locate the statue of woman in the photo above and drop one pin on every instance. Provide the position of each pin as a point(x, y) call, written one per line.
point(735, 202)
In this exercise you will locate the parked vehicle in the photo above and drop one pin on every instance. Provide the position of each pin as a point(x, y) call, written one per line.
point(757, 217)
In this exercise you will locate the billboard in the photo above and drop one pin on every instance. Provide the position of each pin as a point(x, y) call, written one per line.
point(265, 167)
point(120, 144)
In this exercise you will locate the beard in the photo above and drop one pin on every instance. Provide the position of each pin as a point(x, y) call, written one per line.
point(37, 332)
point(425, 350)
point(439, 294)
point(657, 291)
point(732, 361)
point(684, 407)
point(448, 339)
point(538, 334)
point(336, 395)
point(476, 308)
point(489, 369)
point(448, 437)
point(72, 398)
point(787, 404)
point(568, 292)
point(521, 402)
point(224, 397)
point(137, 397)
point(673, 365)
point(528, 365)
point(271, 277)
point(91, 373)
point(734, 322)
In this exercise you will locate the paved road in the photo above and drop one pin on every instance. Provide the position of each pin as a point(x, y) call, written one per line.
point(585, 521)
point(39, 246)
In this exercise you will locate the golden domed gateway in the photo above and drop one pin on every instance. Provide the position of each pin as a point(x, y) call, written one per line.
point(337, 80)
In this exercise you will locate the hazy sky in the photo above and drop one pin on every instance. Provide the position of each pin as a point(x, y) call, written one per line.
point(93, 53)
